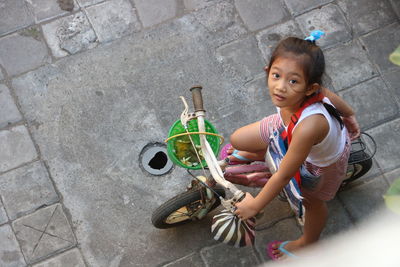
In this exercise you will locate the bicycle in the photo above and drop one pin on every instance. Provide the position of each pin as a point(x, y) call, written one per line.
point(205, 193)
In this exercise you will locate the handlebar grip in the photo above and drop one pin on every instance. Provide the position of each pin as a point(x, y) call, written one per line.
point(197, 98)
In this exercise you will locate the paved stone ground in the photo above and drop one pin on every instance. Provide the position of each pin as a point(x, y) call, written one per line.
point(83, 91)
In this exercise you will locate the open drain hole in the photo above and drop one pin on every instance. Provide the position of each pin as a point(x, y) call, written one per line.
point(159, 161)
point(154, 159)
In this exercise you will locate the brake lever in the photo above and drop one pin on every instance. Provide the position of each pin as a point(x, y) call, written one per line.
point(185, 115)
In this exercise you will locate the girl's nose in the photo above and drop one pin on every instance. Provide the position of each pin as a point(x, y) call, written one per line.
point(280, 85)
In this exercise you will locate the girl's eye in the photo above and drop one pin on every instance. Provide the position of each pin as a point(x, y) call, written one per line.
point(275, 75)
point(292, 81)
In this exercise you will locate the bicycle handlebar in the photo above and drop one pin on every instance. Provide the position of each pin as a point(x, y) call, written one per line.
point(197, 98)
point(209, 156)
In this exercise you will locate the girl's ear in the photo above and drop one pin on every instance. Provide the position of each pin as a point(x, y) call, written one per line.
point(266, 69)
point(315, 87)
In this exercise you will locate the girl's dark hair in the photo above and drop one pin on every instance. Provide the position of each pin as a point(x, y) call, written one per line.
point(313, 63)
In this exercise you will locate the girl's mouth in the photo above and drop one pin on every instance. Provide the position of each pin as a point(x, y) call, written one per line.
point(278, 97)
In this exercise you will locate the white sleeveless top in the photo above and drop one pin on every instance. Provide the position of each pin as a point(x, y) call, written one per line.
point(331, 148)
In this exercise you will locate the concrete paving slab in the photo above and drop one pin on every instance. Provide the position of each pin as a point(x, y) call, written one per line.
point(254, 13)
point(387, 138)
point(217, 17)
point(17, 148)
point(15, 15)
point(393, 175)
point(23, 51)
point(48, 9)
point(379, 99)
point(340, 63)
point(222, 20)
point(196, 4)
point(255, 99)
point(86, 3)
point(381, 43)
point(392, 79)
point(287, 229)
point(238, 256)
point(71, 258)
point(298, 7)
point(43, 233)
point(268, 39)
point(10, 253)
point(329, 19)
point(193, 259)
point(3, 215)
point(367, 15)
point(365, 200)
point(8, 110)
point(241, 59)
point(152, 12)
point(69, 35)
point(338, 220)
point(26, 189)
point(273, 212)
point(113, 19)
point(396, 7)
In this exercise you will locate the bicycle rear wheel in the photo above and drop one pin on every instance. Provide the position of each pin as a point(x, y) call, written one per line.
point(181, 209)
point(357, 170)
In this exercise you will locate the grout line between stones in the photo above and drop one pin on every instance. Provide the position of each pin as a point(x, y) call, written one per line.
point(55, 254)
point(132, 2)
point(49, 52)
point(178, 259)
point(346, 210)
point(271, 224)
point(8, 217)
point(21, 165)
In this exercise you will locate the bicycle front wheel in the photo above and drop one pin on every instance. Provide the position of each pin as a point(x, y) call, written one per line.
point(180, 209)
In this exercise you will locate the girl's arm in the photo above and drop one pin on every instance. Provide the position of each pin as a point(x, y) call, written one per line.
point(310, 131)
point(345, 111)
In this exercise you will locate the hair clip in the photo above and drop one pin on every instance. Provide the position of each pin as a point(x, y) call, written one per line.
point(314, 36)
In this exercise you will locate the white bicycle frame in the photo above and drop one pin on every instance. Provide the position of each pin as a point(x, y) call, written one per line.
point(212, 162)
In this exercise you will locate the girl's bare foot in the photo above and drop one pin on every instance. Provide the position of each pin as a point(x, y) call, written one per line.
point(244, 155)
point(291, 247)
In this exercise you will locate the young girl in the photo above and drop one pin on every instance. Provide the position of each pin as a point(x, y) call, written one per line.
point(318, 139)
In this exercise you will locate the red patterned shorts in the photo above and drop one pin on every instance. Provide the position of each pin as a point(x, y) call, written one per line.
point(331, 176)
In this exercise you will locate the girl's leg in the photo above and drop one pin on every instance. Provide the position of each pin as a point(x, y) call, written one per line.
point(315, 220)
point(253, 156)
point(249, 143)
point(248, 138)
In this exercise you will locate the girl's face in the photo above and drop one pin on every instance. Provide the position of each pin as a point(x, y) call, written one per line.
point(287, 83)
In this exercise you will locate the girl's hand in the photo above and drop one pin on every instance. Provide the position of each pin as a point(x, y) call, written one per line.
point(351, 124)
point(246, 208)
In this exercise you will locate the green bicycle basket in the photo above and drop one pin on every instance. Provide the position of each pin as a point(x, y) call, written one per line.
point(180, 149)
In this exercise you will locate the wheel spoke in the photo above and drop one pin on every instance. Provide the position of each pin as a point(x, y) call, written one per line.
point(179, 215)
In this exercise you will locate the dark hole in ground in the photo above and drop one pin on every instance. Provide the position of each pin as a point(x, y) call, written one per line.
point(158, 161)
point(67, 5)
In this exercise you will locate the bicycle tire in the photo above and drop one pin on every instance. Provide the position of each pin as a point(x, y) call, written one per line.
point(359, 169)
point(184, 200)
